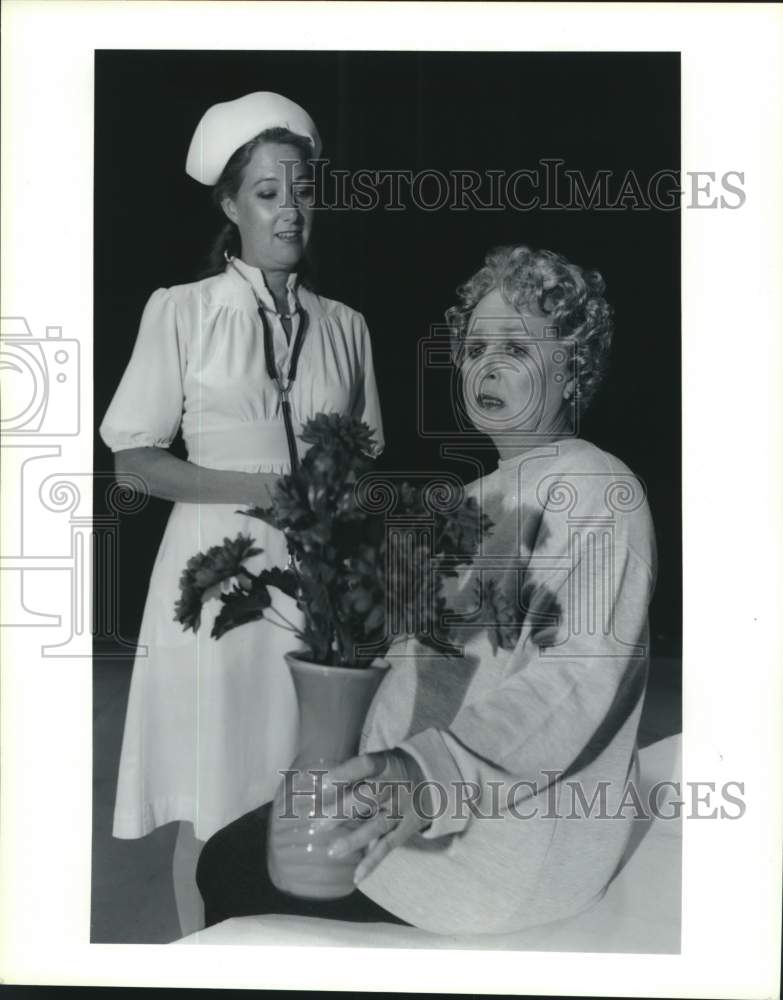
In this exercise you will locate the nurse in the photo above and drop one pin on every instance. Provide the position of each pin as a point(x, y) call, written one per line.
point(238, 362)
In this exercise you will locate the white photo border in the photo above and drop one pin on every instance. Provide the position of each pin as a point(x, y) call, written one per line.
point(732, 363)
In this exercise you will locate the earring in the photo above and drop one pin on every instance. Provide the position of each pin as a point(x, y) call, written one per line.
point(566, 393)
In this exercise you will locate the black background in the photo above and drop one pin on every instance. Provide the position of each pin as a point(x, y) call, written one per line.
point(412, 111)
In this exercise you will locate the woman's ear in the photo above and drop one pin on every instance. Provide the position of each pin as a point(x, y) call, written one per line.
point(230, 209)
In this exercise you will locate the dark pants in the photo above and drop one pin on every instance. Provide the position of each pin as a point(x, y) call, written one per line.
point(233, 881)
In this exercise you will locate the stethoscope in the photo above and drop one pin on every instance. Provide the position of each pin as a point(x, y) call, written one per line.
point(283, 385)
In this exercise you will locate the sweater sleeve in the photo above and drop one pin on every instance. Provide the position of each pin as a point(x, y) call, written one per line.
point(146, 409)
point(578, 666)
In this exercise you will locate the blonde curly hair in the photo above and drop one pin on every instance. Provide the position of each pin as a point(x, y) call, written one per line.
point(570, 295)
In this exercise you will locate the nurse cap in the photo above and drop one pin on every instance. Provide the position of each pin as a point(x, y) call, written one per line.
point(225, 127)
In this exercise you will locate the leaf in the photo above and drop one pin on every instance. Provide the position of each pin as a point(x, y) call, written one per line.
point(284, 579)
point(239, 607)
point(501, 621)
point(543, 613)
point(265, 514)
point(375, 619)
point(359, 600)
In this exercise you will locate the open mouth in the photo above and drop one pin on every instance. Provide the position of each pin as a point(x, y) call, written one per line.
point(489, 402)
point(290, 236)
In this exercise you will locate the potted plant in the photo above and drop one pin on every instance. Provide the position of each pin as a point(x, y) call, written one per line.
point(359, 587)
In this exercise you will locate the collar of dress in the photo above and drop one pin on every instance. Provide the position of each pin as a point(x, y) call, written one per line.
point(549, 449)
point(255, 277)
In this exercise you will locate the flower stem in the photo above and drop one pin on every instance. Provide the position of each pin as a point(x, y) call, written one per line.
point(279, 614)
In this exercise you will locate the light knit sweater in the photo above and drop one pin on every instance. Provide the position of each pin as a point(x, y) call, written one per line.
point(573, 548)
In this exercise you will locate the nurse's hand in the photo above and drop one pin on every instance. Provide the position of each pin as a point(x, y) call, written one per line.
point(378, 793)
point(260, 487)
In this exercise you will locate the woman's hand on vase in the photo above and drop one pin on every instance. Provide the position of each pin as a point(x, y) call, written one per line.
point(379, 796)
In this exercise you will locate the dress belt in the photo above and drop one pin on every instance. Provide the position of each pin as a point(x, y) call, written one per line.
point(256, 443)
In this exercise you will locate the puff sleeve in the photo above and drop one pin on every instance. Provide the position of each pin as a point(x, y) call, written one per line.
point(367, 405)
point(147, 407)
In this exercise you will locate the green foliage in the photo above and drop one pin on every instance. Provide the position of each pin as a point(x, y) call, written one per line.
point(357, 583)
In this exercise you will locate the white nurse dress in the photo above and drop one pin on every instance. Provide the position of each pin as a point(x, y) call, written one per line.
point(210, 723)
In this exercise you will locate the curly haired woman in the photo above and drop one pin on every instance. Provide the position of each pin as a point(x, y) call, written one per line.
point(518, 758)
